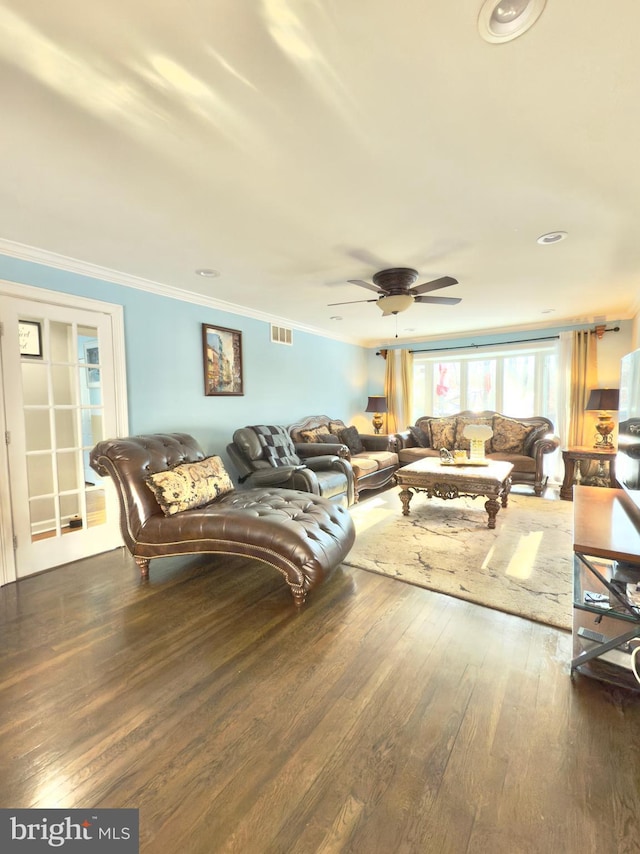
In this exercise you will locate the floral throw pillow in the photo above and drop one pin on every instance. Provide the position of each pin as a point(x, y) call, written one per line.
point(509, 436)
point(190, 485)
point(314, 435)
point(443, 433)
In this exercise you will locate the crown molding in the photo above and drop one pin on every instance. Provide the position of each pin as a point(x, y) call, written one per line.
point(84, 268)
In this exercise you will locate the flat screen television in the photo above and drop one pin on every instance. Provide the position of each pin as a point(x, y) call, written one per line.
point(628, 456)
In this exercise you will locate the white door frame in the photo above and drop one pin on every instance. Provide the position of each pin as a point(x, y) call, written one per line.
point(40, 295)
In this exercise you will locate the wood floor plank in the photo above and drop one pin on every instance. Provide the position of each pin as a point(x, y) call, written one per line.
point(380, 717)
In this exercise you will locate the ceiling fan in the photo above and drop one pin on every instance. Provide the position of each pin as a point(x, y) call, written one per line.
point(395, 293)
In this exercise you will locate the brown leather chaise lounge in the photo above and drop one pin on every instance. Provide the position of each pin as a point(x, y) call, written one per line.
point(301, 535)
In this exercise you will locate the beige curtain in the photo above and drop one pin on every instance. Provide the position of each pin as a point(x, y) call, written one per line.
point(398, 388)
point(391, 390)
point(584, 369)
point(406, 385)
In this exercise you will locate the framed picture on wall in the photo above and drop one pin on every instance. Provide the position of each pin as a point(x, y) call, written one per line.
point(30, 336)
point(222, 354)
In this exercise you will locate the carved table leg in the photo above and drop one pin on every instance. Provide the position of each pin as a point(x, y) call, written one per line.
point(405, 496)
point(143, 563)
point(492, 507)
point(566, 490)
point(506, 491)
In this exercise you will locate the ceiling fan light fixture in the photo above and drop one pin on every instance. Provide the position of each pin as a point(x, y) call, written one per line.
point(394, 304)
point(507, 19)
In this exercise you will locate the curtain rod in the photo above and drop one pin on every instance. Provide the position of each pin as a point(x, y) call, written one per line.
point(599, 330)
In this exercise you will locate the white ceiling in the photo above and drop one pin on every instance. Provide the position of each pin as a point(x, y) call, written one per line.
point(295, 144)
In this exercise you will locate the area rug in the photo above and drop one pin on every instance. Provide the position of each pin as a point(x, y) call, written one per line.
point(524, 566)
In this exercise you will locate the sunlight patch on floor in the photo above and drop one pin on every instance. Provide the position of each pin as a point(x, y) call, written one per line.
point(524, 555)
point(52, 792)
point(366, 516)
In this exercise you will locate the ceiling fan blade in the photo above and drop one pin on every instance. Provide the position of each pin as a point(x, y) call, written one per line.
point(436, 284)
point(366, 285)
point(352, 302)
point(439, 300)
point(367, 258)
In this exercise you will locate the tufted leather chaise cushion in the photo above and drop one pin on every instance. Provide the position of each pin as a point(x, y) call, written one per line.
point(303, 536)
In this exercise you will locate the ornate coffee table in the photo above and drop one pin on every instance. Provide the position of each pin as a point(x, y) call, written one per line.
point(493, 480)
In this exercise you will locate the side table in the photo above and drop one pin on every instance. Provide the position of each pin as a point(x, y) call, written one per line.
point(571, 456)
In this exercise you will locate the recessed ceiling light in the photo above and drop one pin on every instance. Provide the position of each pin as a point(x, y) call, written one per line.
point(208, 273)
point(335, 317)
point(552, 237)
point(548, 311)
point(508, 19)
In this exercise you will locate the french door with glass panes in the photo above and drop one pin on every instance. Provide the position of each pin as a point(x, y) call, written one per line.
point(59, 396)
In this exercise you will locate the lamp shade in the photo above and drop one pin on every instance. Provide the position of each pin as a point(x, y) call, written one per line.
point(604, 399)
point(478, 431)
point(394, 304)
point(377, 403)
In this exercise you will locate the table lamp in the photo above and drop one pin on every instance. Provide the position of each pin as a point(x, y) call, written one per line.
point(477, 434)
point(605, 401)
point(377, 404)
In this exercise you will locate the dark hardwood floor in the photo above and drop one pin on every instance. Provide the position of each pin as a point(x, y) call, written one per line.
point(379, 718)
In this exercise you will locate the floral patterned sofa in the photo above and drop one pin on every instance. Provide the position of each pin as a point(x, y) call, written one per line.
point(524, 442)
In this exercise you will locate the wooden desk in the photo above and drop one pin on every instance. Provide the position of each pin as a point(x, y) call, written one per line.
point(606, 547)
point(571, 456)
point(604, 524)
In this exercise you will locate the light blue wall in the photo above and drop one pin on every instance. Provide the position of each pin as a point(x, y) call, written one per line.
point(282, 384)
point(165, 382)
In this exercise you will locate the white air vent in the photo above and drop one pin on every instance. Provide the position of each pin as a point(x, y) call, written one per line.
point(281, 335)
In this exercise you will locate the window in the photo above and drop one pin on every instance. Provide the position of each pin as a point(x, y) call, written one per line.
point(518, 381)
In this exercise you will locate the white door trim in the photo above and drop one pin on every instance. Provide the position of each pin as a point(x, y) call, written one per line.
point(116, 313)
